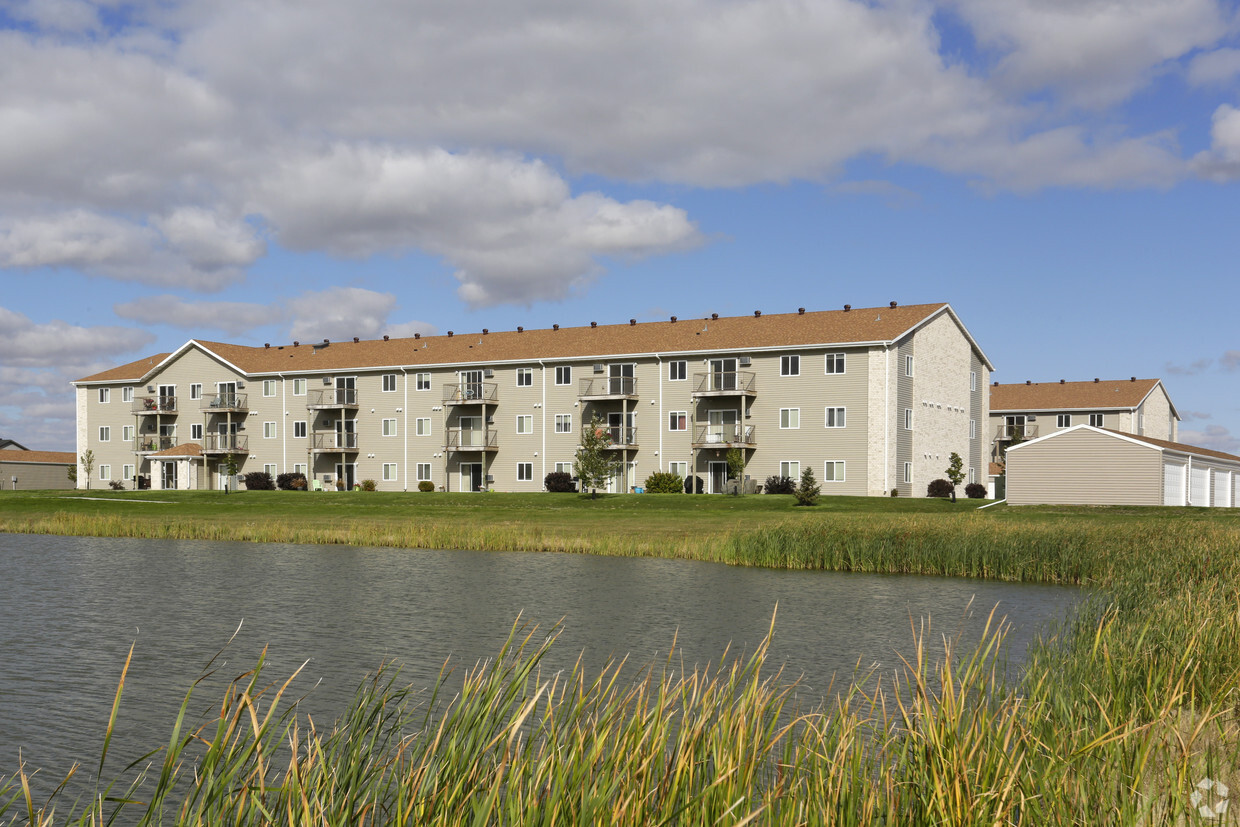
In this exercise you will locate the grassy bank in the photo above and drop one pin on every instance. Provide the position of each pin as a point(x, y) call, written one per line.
point(1118, 718)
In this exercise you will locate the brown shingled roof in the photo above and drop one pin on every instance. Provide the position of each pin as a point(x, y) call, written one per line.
point(1054, 396)
point(187, 449)
point(56, 457)
point(734, 333)
point(1177, 446)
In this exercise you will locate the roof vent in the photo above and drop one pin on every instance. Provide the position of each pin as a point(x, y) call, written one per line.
point(327, 341)
point(673, 320)
point(847, 307)
point(1061, 381)
point(385, 337)
point(417, 335)
point(996, 384)
point(714, 316)
point(632, 322)
point(1133, 379)
point(757, 313)
point(266, 345)
point(893, 304)
point(593, 324)
point(555, 327)
point(1096, 380)
point(485, 331)
point(520, 329)
point(355, 340)
point(296, 344)
point(449, 334)
point(800, 311)
point(1027, 382)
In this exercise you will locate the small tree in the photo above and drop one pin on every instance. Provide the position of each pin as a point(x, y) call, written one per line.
point(955, 470)
point(88, 465)
point(230, 467)
point(736, 467)
point(73, 475)
point(594, 465)
point(807, 492)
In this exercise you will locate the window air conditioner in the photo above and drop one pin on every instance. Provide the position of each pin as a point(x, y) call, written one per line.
point(598, 367)
point(487, 373)
point(744, 361)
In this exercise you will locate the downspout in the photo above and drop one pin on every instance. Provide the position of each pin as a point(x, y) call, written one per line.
point(659, 421)
point(886, 419)
point(542, 430)
point(1188, 482)
point(284, 430)
point(404, 429)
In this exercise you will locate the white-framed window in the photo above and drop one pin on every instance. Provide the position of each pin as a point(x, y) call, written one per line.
point(105, 433)
point(833, 471)
point(564, 468)
point(269, 430)
point(168, 431)
point(972, 429)
point(299, 429)
point(789, 418)
point(195, 390)
point(389, 472)
point(908, 419)
point(105, 396)
point(525, 471)
point(269, 387)
point(908, 472)
point(389, 383)
point(195, 430)
point(681, 468)
point(299, 468)
point(422, 426)
point(563, 423)
point(678, 421)
point(127, 433)
point(790, 469)
point(525, 424)
point(835, 418)
point(972, 476)
point(126, 394)
point(422, 381)
point(564, 374)
point(270, 468)
point(1096, 420)
point(790, 365)
point(908, 365)
point(677, 371)
point(972, 380)
point(525, 377)
point(389, 427)
point(834, 363)
point(1064, 420)
point(105, 472)
point(299, 387)
point(127, 472)
point(423, 470)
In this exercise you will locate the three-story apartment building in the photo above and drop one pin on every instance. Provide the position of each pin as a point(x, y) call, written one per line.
point(872, 399)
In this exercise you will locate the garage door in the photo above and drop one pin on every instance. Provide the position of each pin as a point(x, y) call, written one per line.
point(1173, 484)
point(1199, 486)
point(1222, 489)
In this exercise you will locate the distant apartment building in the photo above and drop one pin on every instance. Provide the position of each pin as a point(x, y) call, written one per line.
point(872, 399)
point(21, 468)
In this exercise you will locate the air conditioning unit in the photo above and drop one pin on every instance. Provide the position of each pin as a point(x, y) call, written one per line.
point(744, 361)
point(327, 380)
point(598, 367)
point(1031, 418)
point(487, 373)
point(240, 385)
point(490, 478)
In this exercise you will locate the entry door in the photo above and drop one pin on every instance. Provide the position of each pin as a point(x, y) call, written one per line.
point(471, 431)
point(227, 392)
point(723, 374)
point(346, 390)
point(471, 384)
point(167, 397)
point(228, 434)
point(620, 379)
point(346, 471)
point(471, 476)
point(616, 424)
point(1015, 426)
point(718, 477)
point(722, 426)
point(345, 433)
point(168, 476)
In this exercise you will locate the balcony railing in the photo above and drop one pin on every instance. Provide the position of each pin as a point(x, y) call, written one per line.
point(226, 443)
point(608, 387)
point(148, 444)
point(725, 383)
point(225, 403)
point(154, 404)
point(332, 398)
point(334, 442)
point(724, 436)
point(1009, 432)
point(470, 393)
point(619, 437)
point(471, 439)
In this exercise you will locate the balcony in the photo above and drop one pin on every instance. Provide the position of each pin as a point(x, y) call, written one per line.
point(226, 403)
point(611, 387)
point(471, 439)
point(734, 383)
point(148, 444)
point(725, 436)
point(620, 439)
point(144, 405)
point(332, 399)
point(471, 393)
point(226, 444)
point(333, 443)
point(1006, 433)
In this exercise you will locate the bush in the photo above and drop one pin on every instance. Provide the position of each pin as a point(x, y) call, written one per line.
point(939, 488)
point(116, 485)
point(369, 485)
point(426, 486)
point(691, 483)
point(559, 482)
point(780, 485)
point(258, 481)
point(895, 492)
point(664, 482)
point(975, 491)
point(291, 482)
point(807, 492)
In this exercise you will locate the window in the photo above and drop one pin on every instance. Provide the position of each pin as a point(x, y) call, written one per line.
point(525, 377)
point(422, 426)
point(790, 418)
point(678, 421)
point(790, 469)
point(1096, 420)
point(299, 429)
point(972, 429)
point(677, 371)
point(105, 472)
point(389, 383)
point(195, 390)
point(563, 423)
point(908, 365)
point(389, 427)
point(299, 468)
point(105, 433)
point(389, 472)
point(422, 381)
point(270, 468)
point(833, 471)
point(790, 365)
point(908, 472)
point(195, 430)
point(127, 433)
point(1064, 420)
point(564, 375)
point(269, 430)
point(126, 394)
point(299, 387)
point(169, 431)
point(972, 380)
point(681, 468)
point(835, 363)
point(835, 418)
point(424, 472)
point(525, 424)
point(269, 387)
point(105, 395)
point(525, 471)
point(127, 472)
point(908, 419)
point(564, 468)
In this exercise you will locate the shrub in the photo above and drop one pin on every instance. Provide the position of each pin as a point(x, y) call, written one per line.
point(116, 485)
point(369, 485)
point(807, 492)
point(780, 485)
point(693, 485)
point(664, 482)
point(426, 486)
point(259, 481)
point(939, 488)
point(559, 482)
point(975, 491)
point(895, 492)
point(291, 482)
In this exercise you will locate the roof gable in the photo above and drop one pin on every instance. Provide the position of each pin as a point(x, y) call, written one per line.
point(1144, 441)
point(1061, 396)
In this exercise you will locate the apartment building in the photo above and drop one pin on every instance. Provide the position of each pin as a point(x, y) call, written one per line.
point(871, 399)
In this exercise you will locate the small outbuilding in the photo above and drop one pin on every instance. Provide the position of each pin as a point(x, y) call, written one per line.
point(29, 470)
point(1096, 466)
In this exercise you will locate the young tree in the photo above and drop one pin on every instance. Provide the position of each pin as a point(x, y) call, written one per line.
point(807, 492)
point(594, 464)
point(88, 465)
point(955, 470)
point(736, 467)
point(230, 466)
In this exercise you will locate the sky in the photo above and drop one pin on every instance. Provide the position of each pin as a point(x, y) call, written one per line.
point(1065, 173)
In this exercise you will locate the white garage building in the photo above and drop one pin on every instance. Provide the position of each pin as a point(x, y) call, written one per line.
point(1095, 466)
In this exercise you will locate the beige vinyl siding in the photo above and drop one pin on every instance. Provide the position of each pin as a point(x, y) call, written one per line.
point(33, 476)
point(979, 445)
point(904, 437)
point(1084, 467)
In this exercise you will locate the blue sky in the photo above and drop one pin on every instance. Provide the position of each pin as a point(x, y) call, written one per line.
point(1066, 175)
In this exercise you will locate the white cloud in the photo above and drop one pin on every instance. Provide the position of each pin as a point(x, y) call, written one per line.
point(1214, 437)
point(234, 318)
point(406, 330)
point(340, 313)
point(1220, 66)
point(1222, 161)
point(73, 16)
point(25, 343)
